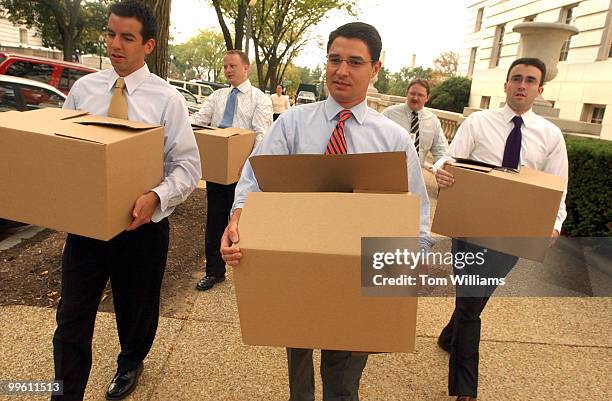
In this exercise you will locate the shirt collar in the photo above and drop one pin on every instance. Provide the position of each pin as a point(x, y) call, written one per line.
point(332, 108)
point(132, 81)
point(509, 114)
point(244, 87)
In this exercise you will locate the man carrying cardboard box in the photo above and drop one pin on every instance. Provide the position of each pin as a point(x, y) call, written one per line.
point(339, 125)
point(134, 260)
point(507, 137)
point(241, 106)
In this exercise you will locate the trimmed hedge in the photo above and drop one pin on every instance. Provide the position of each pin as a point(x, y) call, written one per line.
point(589, 197)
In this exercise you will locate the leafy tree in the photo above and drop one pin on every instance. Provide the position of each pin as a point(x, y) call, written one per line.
point(279, 30)
point(452, 94)
point(399, 80)
point(68, 25)
point(382, 83)
point(446, 63)
point(204, 52)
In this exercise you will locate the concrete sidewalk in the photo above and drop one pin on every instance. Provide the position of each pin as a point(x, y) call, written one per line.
point(532, 348)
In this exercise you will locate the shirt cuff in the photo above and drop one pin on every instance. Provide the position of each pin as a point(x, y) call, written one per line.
point(441, 162)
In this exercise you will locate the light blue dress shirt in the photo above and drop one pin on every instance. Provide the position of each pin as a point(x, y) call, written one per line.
point(153, 101)
point(306, 130)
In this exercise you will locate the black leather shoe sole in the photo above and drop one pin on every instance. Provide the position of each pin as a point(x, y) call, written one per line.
point(208, 282)
point(129, 387)
point(444, 345)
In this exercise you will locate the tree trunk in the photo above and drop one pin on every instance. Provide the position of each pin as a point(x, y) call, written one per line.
point(158, 59)
point(226, 33)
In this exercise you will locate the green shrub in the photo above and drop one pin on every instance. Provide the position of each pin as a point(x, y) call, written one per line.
point(589, 198)
point(452, 94)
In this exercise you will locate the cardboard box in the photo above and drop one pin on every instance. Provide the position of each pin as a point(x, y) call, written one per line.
point(298, 284)
point(75, 172)
point(508, 212)
point(223, 152)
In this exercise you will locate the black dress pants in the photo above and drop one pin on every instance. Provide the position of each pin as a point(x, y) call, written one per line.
point(134, 261)
point(220, 199)
point(340, 372)
point(462, 333)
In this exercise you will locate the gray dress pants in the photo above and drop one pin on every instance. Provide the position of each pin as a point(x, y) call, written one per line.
point(340, 373)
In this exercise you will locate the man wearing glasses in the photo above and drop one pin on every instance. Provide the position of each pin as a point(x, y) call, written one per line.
point(508, 137)
point(422, 124)
point(352, 61)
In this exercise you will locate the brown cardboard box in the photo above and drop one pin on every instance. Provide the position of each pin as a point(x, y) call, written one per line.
point(508, 212)
point(298, 284)
point(75, 172)
point(223, 152)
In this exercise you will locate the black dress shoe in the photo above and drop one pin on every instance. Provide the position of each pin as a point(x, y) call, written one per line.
point(123, 384)
point(208, 282)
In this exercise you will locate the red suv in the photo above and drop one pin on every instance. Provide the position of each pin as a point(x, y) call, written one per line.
point(57, 73)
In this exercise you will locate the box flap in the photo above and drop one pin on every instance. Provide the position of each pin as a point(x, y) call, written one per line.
point(386, 171)
point(54, 113)
point(111, 122)
point(325, 223)
point(225, 132)
point(526, 175)
point(472, 167)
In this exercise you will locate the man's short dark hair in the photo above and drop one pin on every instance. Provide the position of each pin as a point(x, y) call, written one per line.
point(359, 30)
point(243, 56)
point(536, 62)
point(140, 11)
point(418, 81)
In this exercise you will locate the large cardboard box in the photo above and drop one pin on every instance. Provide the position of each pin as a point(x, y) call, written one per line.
point(223, 152)
point(75, 172)
point(298, 284)
point(505, 211)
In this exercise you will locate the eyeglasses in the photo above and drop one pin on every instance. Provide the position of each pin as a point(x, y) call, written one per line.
point(353, 62)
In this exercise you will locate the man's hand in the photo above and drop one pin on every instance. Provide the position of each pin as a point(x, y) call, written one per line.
point(443, 177)
point(229, 251)
point(143, 210)
point(553, 238)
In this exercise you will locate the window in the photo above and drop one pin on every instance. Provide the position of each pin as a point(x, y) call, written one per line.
point(35, 71)
point(530, 18)
point(610, 51)
point(498, 44)
point(479, 19)
point(23, 36)
point(593, 113)
point(568, 16)
point(193, 88)
point(485, 101)
point(39, 98)
point(206, 90)
point(69, 77)
point(7, 97)
point(472, 62)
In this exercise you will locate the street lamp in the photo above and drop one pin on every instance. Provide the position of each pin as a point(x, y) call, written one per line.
point(249, 23)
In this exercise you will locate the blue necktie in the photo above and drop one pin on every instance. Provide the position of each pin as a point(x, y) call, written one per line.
point(512, 152)
point(230, 108)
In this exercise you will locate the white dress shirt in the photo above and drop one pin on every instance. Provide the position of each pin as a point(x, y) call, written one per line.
point(253, 109)
point(431, 136)
point(307, 129)
point(482, 136)
point(153, 101)
point(280, 103)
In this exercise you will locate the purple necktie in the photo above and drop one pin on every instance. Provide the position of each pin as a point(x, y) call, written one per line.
point(512, 152)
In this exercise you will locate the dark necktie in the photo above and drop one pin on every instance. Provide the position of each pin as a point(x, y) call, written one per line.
point(512, 151)
point(230, 108)
point(414, 128)
point(337, 141)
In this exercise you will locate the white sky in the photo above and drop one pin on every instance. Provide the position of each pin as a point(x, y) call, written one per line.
point(426, 28)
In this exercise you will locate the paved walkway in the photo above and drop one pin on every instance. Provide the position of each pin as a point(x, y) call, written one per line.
point(544, 349)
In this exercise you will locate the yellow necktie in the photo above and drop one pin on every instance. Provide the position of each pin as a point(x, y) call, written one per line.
point(118, 107)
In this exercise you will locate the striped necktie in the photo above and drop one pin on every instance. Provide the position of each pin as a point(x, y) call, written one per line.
point(414, 128)
point(337, 141)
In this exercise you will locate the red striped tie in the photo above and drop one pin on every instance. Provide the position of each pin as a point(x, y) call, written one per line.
point(337, 141)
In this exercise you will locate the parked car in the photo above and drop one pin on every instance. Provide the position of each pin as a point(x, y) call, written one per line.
point(25, 94)
point(214, 85)
point(193, 104)
point(57, 73)
point(304, 97)
point(200, 91)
